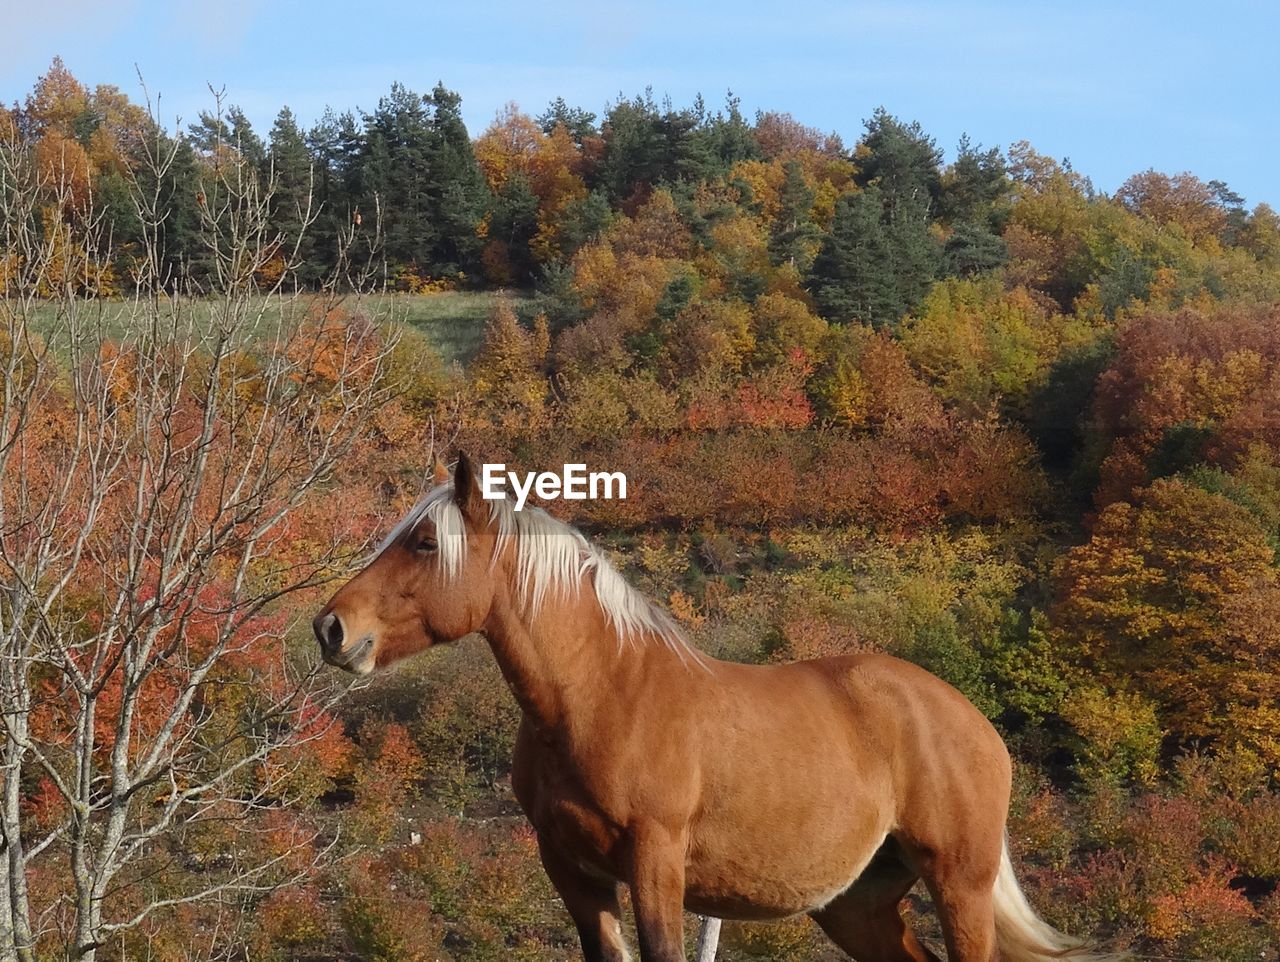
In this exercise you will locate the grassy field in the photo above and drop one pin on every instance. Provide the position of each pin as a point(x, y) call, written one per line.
point(453, 321)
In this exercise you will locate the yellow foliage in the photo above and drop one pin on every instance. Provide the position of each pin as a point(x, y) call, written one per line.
point(1120, 734)
point(764, 179)
point(784, 324)
point(980, 344)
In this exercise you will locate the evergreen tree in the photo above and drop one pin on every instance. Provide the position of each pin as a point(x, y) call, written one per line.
point(877, 262)
point(289, 162)
point(581, 124)
point(704, 146)
point(514, 222)
point(178, 192)
point(245, 141)
point(392, 175)
point(794, 234)
point(732, 138)
point(636, 141)
point(217, 138)
point(900, 159)
point(416, 165)
point(973, 248)
point(461, 197)
point(976, 188)
point(975, 202)
point(580, 221)
point(334, 145)
point(691, 155)
point(208, 133)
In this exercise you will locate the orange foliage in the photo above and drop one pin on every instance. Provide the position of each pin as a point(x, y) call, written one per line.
point(1183, 200)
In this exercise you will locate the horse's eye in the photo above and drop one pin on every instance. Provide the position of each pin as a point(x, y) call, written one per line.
point(426, 545)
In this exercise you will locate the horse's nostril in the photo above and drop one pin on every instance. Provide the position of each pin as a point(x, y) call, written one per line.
point(328, 631)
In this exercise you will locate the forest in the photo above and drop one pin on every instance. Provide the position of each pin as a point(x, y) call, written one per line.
point(962, 407)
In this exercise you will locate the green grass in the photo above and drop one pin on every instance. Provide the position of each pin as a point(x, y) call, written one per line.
point(452, 321)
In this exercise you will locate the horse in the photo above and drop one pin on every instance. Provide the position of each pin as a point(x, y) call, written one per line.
point(748, 792)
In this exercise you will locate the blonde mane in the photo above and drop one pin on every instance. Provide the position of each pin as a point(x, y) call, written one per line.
point(553, 559)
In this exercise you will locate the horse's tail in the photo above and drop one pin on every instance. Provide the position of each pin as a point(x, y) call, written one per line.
point(1025, 937)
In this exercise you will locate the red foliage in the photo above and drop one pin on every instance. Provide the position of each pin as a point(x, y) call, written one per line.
point(1217, 374)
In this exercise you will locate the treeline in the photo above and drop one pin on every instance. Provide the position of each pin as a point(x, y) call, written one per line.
point(863, 231)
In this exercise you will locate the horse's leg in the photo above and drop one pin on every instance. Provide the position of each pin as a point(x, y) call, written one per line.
point(968, 921)
point(866, 921)
point(872, 934)
point(962, 883)
point(592, 904)
point(657, 892)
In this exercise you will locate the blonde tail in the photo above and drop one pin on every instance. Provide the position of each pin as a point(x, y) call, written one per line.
point(1025, 937)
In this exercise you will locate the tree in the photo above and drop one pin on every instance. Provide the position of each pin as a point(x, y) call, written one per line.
point(877, 262)
point(580, 124)
point(58, 102)
point(795, 237)
point(416, 166)
point(334, 144)
point(1182, 200)
point(222, 138)
point(974, 201)
point(1176, 597)
point(1186, 387)
point(974, 188)
point(288, 163)
point(901, 160)
point(160, 495)
point(636, 147)
point(983, 346)
point(535, 178)
point(460, 197)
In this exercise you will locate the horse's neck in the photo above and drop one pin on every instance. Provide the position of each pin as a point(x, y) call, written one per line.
point(565, 662)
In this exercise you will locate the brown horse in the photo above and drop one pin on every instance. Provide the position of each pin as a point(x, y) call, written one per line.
point(738, 791)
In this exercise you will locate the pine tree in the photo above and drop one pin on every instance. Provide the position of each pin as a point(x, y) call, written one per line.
point(794, 236)
point(289, 162)
point(900, 159)
point(580, 124)
point(460, 197)
point(877, 262)
point(334, 145)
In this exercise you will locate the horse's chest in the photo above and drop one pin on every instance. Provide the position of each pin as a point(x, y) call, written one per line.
point(570, 809)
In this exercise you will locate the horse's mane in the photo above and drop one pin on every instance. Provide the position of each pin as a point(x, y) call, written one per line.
point(552, 559)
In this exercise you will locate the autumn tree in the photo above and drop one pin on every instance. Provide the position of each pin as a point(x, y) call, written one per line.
point(150, 493)
point(1185, 388)
point(1176, 597)
point(983, 346)
point(1182, 201)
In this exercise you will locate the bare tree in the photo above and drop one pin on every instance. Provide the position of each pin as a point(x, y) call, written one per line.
point(155, 453)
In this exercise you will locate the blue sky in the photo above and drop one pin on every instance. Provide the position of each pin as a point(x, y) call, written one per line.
point(1115, 86)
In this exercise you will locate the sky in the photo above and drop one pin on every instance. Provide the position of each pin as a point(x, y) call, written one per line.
point(1116, 87)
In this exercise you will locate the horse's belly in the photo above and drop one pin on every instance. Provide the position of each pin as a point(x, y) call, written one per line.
point(769, 880)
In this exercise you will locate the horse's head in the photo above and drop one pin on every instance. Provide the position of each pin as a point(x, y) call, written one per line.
point(432, 582)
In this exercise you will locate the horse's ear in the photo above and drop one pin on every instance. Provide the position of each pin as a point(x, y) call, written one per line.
point(439, 473)
point(466, 490)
